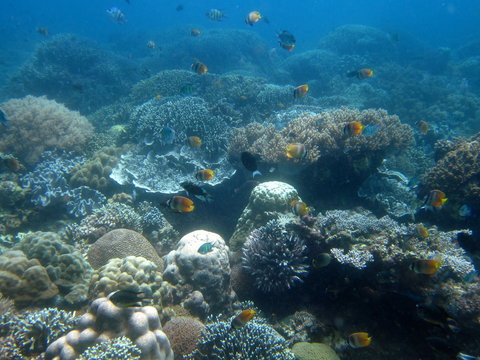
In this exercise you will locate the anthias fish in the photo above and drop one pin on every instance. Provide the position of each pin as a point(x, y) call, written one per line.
point(243, 318)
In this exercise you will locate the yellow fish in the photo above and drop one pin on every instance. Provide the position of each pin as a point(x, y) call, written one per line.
point(296, 151)
point(359, 339)
point(241, 319)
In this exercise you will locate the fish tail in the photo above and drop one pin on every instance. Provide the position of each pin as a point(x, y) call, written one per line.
point(255, 173)
point(462, 356)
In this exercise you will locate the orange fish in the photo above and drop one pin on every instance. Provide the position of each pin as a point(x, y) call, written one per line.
point(180, 204)
point(194, 141)
point(300, 91)
point(204, 175)
point(359, 340)
point(199, 68)
point(299, 208)
point(361, 73)
point(422, 231)
point(241, 319)
point(288, 47)
point(296, 151)
point(426, 266)
point(435, 200)
point(353, 128)
point(423, 127)
point(195, 32)
point(253, 17)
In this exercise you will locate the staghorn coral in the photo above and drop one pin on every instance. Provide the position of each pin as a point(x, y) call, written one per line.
point(254, 341)
point(457, 173)
point(120, 243)
point(32, 331)
point(66, 267)
point(105, 321)
point(274, 258)
point(183, 333)
point(74, 71)
point(118, 348)
point(6, 305)
point(130, 272)
point(26, 281)
point(38, 124)
point(322, 134)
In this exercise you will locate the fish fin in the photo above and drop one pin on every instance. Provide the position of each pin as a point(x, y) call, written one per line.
point(462, 356)
point(255, 173)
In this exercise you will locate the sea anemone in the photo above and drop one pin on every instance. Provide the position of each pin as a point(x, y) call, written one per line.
point(275, 258)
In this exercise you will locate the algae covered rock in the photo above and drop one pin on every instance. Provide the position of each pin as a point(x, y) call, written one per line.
point(314, 351)
point(267, 201)
point(121, 243)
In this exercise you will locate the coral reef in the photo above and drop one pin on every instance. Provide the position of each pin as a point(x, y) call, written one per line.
point(267, 201)
point(183, 333)
point(95, 172)
point(38, 124)
point(207, 273)
point(74, 71)
point(322, 134)
point(254, 341)
point(274, 258)
point(66, 267)
point(118, 348)
point(120, 243)
point(105, 321)
point(130, 272)
point(457, 174)
point(32, 331)
point(314, 351)
point(299, 327)
point(26, 281)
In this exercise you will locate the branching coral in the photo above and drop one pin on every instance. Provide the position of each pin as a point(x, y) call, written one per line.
point(457, 173)
point(275, 259)
point(323, 136)
point(254, 341)
point(38, 124)
point(119, 348)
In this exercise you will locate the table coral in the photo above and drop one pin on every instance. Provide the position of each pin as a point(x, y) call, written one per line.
point(207, 273)
point(105, 321)
point(38, 124)
point(267, 201)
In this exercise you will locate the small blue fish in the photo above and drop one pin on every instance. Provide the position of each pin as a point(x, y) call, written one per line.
point(3, 119)
point(205, 248)
point(370, 130)
point(168, 135)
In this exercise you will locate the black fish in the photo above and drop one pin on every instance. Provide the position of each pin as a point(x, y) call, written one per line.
point(437, 315)
point(3, 119)
point(179, 7)
point(286, 37)
point(250, 163)
point(195, 190)
point(445, 347)
point(126, 298)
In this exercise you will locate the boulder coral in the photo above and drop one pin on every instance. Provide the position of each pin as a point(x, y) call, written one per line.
point(207, 273)
point(183, 333)
point(105, 321)
point(267, 201)
point(38, 124)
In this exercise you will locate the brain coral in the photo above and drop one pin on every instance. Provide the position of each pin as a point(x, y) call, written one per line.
point(121, 243)
point(38, 124)
point(183, 333)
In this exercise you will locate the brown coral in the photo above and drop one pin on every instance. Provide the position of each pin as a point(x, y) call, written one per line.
point(38, 124)
point(183, 333)
point(457, 173)
point(323, 135)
